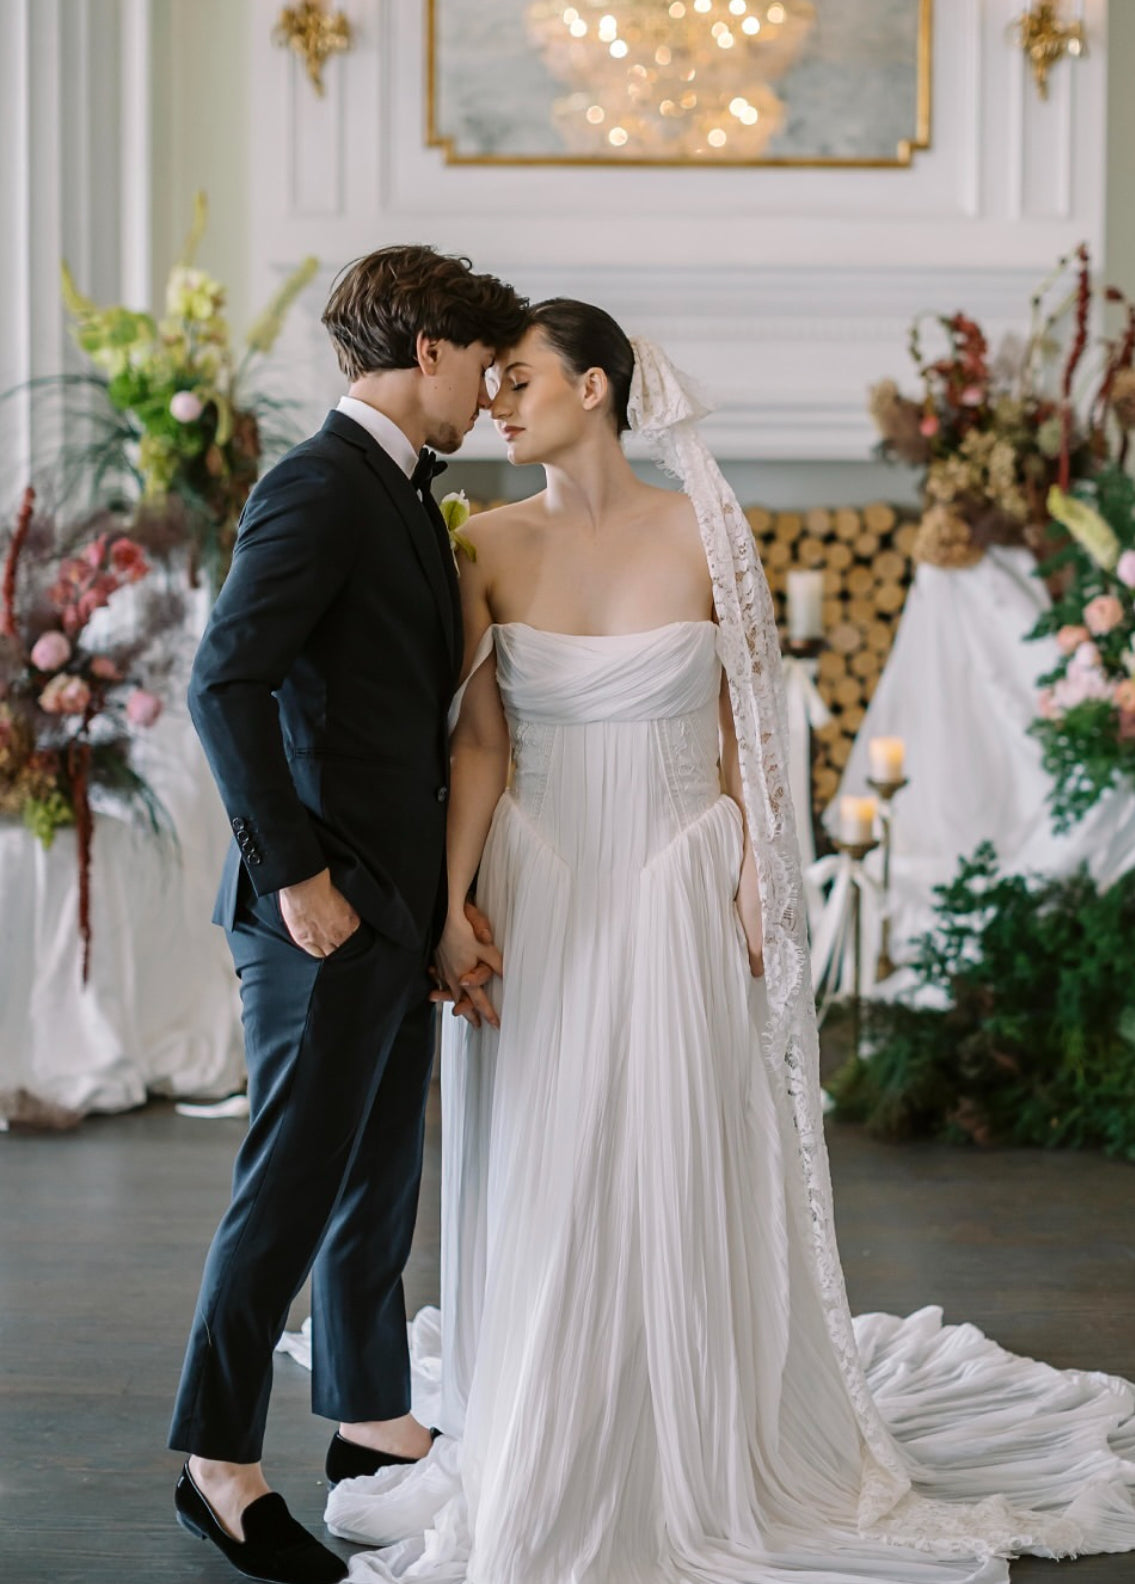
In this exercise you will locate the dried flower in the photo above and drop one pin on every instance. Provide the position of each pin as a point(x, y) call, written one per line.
point(128, 560)
point(65, 695)
point(1123, 398)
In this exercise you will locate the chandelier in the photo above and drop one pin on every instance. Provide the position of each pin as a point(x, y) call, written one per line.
point(669, 79)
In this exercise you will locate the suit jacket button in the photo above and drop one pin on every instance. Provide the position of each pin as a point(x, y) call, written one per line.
point(254, 857)
point(238, 825)
point(442, 794)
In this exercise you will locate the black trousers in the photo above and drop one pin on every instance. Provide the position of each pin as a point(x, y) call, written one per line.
point(326, 1181)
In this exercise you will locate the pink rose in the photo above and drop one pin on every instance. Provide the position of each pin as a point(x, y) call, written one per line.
point(929, 426)
point(128, 560)
point(186, 407)
point(50, 652)
point(1081, 684)
point(142, 708)
point(1102, 614)
point(103, 667)
point(65, 695)
point(1070, 638)
point(1046, 706)
point(1124, 696)
point(1125, 568)
point(1086, 658)
point(972, 396)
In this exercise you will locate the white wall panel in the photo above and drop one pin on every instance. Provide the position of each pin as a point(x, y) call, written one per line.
point(785, 290)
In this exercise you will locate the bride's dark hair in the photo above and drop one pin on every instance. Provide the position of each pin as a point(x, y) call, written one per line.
point(586, 337)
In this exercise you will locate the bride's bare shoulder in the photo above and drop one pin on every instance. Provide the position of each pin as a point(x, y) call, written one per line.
point(671, 513)
point(501, 529)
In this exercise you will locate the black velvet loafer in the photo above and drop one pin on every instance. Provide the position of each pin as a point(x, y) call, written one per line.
point(347, 1460)
point(275, 1549)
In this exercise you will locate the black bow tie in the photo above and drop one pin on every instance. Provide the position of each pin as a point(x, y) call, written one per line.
point(426, 469)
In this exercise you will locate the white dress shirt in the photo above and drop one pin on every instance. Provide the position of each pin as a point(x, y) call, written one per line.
point(382, 429)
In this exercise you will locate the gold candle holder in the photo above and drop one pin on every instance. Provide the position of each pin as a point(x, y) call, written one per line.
point(856, 852)
point(887, 790)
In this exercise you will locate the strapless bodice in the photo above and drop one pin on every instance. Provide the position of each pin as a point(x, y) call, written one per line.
point(570, 678)
point(623, 724)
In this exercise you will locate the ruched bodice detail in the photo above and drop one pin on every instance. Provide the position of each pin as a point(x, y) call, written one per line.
point(573, 678)
point(617, 722)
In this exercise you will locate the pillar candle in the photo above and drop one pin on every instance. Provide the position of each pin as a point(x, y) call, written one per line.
point(857, 820)
point(886, 756)
point(805, 605)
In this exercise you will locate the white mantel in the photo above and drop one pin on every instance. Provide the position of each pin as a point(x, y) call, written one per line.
point(785, 290)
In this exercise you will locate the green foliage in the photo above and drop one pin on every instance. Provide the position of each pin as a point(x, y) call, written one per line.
point(1088, 742)
point(44, 816)
point(1037, 1045)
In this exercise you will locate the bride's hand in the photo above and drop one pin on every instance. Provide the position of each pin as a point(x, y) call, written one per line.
point(748, 904)
point(466, 958)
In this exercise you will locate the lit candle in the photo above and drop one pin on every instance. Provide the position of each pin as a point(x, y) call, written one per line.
point(886, 756)
point(805, 606)
point(857, 820)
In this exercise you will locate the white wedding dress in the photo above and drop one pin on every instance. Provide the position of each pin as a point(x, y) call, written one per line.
point(635, 1368)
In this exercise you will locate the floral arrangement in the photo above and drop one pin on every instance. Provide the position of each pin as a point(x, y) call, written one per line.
point(70, 703)
point(1033, 1039)
point(995, 433)
point(1086, 704)
point(192, 427)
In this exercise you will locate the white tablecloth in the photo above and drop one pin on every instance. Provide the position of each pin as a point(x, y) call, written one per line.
point(960, 689)
point(161, 1013)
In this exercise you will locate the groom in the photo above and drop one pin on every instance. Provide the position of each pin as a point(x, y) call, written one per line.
point(320, 693)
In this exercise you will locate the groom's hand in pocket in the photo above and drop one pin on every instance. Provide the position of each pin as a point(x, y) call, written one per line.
point(317, 916)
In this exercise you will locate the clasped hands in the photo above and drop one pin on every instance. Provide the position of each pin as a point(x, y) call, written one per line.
point(466, 960)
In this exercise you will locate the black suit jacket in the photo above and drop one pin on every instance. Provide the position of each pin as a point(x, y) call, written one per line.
point(321, 685)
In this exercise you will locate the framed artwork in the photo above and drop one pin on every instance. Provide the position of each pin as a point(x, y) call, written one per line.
point(679, 82)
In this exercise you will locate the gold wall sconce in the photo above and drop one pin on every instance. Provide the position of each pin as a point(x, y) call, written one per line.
point(314, 34)
point(1046, 38)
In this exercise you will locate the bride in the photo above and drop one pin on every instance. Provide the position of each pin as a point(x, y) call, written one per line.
point(645, 1369)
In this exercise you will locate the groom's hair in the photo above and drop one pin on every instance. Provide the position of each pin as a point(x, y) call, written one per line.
point(380, 304)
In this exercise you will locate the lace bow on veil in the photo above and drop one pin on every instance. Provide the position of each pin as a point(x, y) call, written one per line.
point(664, 408)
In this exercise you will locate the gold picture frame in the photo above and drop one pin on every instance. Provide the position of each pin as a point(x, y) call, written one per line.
point(902, 158)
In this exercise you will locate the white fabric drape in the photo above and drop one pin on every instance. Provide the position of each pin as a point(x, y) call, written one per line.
point(959, 688)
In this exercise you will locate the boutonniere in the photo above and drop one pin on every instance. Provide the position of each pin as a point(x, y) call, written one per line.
point(455, 512)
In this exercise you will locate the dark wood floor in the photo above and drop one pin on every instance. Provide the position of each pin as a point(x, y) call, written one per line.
point(102, 1234)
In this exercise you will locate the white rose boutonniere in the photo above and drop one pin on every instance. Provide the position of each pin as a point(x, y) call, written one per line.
point(456, 512)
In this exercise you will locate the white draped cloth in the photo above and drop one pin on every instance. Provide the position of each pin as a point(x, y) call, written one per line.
point(960, 689)
point(161, 1012)
point(637, 1371)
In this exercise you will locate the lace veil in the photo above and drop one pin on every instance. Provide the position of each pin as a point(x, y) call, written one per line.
point(664, 409)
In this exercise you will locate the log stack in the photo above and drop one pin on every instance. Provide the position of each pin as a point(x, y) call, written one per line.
point(864, 553)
